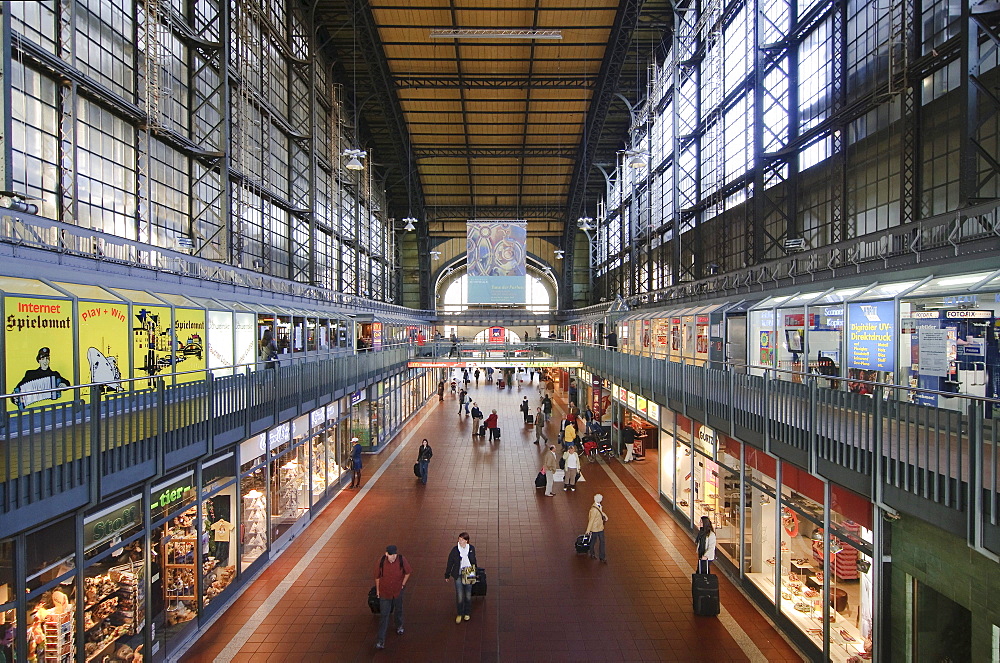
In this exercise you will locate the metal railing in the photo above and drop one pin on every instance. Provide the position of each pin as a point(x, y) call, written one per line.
point(899, 453)
point(94, 442)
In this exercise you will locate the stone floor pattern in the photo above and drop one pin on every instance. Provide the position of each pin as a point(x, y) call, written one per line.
point(544, 602)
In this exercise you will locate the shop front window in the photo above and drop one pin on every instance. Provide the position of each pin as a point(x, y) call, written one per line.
point(8, 617)
point(802, 567)
point(760, 521)
point(174, 577)
point(114, 599)
point(218, 514)
point(726, 504)
point(318, 466)
point(253, 516)
point(51, 600)
point(289, 490)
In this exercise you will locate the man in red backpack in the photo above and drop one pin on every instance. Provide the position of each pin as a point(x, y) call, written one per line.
point(391, 575)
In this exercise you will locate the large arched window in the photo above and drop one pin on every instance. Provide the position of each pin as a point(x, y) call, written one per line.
point(456, 296)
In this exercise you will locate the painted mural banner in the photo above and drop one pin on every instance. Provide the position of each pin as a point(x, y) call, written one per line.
point(496, 255)
point(38, 337)
point(871, 336)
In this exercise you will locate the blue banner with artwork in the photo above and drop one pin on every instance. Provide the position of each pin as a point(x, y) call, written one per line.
point(496, 253)
point(871, 336)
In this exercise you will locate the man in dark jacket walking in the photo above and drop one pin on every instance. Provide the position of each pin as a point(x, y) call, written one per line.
point(525, 408)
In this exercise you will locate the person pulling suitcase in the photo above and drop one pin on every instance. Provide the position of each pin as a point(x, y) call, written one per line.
point(705, 585)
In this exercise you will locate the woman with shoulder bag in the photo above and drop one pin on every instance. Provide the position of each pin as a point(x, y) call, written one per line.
point(462, 568)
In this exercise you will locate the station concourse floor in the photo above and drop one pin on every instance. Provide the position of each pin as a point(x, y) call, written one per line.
point(544, 602)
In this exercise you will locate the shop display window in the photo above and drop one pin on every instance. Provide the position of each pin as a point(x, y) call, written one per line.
point(176, 578)
point(218, 566)
point(318, 466)
point(723, 507)
point(289, 489)
point(51, 583)
point(683, 478)
point(668, 462)
point(8, 617)
point(802, 570)
point(114, 600)
point(253, 516)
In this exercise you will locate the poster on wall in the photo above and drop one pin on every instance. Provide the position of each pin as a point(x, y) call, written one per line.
point(871, 336)
point(152, 342)
point(103, 343)
point(38, 335)
point(496, 256)
point(245, 339)
point(766, 348)
point(376, 335)
point(219, 340)
point(189, 345)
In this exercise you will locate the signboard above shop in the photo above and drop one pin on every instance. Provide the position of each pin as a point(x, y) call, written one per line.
point(871, 336)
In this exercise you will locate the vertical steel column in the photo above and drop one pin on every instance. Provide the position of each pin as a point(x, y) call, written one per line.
point(979, 170)
point(6, 177)
point(905, 44)
point(67, 115)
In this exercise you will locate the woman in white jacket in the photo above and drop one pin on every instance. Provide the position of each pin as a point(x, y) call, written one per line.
point(705, 542)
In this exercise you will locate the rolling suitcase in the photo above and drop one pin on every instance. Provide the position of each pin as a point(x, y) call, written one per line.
point(705, 594)
point(482, 430)
point(582, 544)
point(500, 384)
point(529, 420)
point(479, 589)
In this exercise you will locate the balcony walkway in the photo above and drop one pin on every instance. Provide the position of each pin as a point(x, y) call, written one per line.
point(544, 602)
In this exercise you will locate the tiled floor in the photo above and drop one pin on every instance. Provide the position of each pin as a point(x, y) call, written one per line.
point(544, 603)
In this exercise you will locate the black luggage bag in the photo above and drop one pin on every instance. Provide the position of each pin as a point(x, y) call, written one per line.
point(482, 430)
point(496, 435)
point(705, 594)
point(529, 420)
point(416, 470)
point(582, 544)
point(479, 588)
point(540, 481)
point(373, 603)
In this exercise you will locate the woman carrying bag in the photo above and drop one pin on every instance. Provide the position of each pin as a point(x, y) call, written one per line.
point(462, 567)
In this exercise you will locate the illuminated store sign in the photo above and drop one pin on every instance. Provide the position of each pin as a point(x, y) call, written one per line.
point(871, 336)
point(117, 519)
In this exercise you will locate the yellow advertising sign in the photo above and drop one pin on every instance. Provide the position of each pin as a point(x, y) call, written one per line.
point(152, 342)
point(39, 357)
point(163, 346)
point(190, 355)
point(103, 343)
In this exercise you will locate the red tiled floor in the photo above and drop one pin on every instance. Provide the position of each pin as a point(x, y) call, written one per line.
point(544, 602)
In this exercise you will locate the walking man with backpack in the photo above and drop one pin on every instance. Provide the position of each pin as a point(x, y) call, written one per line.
point(391, 575)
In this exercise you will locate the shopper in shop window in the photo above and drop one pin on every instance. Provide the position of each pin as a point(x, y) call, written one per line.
point(705, 543)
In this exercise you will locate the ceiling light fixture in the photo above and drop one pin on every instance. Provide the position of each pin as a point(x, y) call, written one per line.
point(584, 222)
point(436, 255)
point(559, 254)
point(530, 33)
point(409, 227)
point(354, 163)
point(637, 160)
